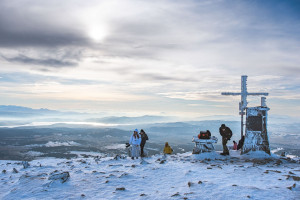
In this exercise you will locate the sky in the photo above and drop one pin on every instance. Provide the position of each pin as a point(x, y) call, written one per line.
point(134, 57)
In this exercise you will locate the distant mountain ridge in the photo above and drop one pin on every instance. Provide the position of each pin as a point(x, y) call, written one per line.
point(129, 120)
point(13, 111)
point(20, 111)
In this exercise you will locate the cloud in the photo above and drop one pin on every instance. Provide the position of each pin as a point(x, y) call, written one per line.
point(38, 24)
point(41, 62)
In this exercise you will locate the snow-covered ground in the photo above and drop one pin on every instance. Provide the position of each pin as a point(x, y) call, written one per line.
point(181, 176)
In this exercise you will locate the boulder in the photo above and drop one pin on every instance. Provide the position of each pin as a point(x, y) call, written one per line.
point(62, 177)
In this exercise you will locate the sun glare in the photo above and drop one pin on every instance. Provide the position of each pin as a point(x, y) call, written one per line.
point(97, 32)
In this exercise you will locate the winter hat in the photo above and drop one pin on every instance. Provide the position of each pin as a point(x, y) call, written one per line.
point(136, 130)
point(223, 125)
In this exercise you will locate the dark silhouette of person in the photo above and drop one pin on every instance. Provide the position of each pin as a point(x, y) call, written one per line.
point(144, 137)
point(226, 134)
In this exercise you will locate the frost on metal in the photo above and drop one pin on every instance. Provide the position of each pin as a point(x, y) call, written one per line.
point(256, 137)
point(204, 145)
point(256, 134)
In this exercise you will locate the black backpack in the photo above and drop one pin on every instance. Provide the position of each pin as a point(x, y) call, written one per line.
point(228, 133)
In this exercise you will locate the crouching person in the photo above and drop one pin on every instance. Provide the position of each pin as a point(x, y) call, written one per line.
point(167, 149)
point(135, 141)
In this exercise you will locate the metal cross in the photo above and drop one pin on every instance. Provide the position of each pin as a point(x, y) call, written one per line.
point(243, 104)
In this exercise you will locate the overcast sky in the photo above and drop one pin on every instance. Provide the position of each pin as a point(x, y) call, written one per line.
point(139, 57)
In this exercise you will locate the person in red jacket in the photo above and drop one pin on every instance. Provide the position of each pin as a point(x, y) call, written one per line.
point(234, 145)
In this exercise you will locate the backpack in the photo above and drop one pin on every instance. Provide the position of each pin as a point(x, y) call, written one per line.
point(228, 133)
point(204, 134)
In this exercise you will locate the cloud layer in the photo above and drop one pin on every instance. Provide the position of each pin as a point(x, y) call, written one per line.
point(148, 56)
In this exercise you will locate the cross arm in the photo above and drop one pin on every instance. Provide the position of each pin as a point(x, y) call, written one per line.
point(264, 94)
point(230, 93)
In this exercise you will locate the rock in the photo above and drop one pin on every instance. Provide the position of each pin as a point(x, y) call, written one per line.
point(82, 161)
point(142, 195)
point(63, 177)
point(121, 188)
point(276, 171)
point(4, 171)
point(25, 164)
point(234, 185)
point(133, 166)
point(291, 172)
point(278, 162)
point(124, 174)
point(117, 157)
point(188, 193)
point(200, 182)
point(209, 167)
point(190, 184)
point(15, 171)
point(106, 181)
point(291, 187)
point(82, 195)
point(162, 162)
point(295, 178)
point(176, 194)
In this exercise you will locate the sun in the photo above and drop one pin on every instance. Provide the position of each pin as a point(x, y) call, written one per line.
point(97, 32)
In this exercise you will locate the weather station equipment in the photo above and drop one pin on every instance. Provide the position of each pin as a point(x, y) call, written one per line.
point(256, 134)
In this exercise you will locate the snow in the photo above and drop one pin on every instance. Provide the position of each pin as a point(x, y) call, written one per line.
point(276, 150)
point(57, 144)
point(54, 144)
point(182, 176)
point(115, 146)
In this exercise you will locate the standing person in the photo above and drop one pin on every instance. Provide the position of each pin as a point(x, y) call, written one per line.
point(226, 134)
point(234, 145)
point(144, 137)
point(241, 143)
point(167, 149)
point(135, 141)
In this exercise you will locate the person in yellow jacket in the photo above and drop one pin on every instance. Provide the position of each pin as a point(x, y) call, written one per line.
point(167, 149)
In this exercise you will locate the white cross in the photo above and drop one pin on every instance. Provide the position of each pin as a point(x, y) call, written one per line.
point(243, 104)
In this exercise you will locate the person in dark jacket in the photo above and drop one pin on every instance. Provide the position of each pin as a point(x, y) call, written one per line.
point(226, 134)
point(241, 143)
point(144, 137)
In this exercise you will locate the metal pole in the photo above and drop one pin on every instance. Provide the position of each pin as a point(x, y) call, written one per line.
point(242, 124)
